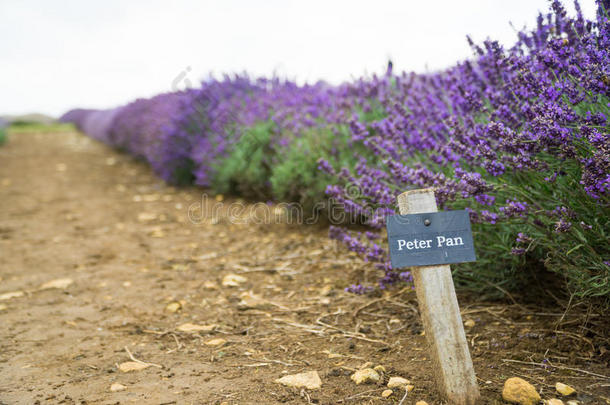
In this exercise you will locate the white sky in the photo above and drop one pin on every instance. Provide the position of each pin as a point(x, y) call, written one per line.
point(56, 55)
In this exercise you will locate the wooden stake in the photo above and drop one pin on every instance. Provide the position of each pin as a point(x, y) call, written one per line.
point(441, 317)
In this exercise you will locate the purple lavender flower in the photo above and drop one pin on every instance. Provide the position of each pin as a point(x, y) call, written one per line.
point(514, 209)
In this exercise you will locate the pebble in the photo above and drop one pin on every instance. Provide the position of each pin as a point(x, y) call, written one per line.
point(250, 300)
point(553, 401)
point(310, 380)
point(157, 232)
point(387, 393)
point(469, 323)
point(233, 280)
point(132, 366)
point(208, 256)
point(12, 294)
point(518, 391)
point(146, 217)
point(398, 382)
point(60, 283)
point(421, 403)
point(379, 369)
point(173, 306)
point(365, 376)
point(191, 327)
point(216, 342)
point(117, 387)
point(564, 389)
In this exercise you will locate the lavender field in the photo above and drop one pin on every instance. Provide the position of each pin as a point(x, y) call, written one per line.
point(518, 136)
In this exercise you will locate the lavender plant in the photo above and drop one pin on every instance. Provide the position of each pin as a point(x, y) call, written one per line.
point(520, 138)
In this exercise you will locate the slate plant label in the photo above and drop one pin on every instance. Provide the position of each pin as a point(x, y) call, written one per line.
point(430, 238)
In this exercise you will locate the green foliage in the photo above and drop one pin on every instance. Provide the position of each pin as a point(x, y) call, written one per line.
point(296, 177)
point(575, 257)
point(295, 174)
point(260, 166)
point(246, 170)
point(2, 136)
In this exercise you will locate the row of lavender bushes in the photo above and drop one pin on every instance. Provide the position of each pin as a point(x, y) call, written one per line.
point(518, 136)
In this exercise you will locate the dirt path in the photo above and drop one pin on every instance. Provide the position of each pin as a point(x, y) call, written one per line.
point(71, 208)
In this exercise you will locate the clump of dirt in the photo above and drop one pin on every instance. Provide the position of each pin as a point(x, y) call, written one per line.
point(163, 306)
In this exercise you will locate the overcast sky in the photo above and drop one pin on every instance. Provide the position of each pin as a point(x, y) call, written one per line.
point(56, 55)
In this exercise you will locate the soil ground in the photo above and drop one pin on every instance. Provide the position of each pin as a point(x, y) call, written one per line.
point(71, 208)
